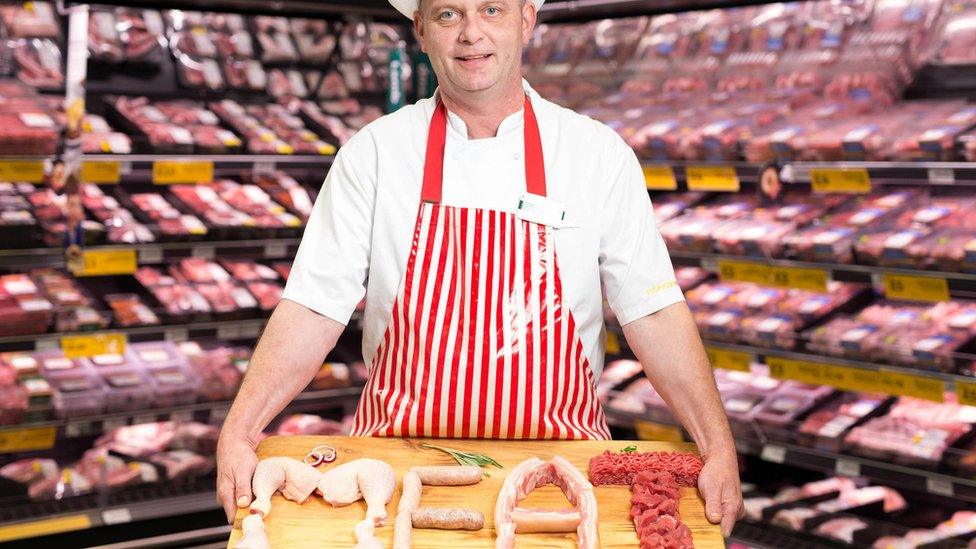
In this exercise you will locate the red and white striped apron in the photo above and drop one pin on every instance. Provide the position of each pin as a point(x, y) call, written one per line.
point(479, 344)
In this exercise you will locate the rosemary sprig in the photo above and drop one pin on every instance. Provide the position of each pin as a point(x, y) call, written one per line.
point(466, 458)
point(630, 449)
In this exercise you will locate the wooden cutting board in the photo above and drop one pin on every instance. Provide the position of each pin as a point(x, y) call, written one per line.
point(317, 524)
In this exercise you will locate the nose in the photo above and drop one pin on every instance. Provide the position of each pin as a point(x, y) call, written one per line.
point(471, 30)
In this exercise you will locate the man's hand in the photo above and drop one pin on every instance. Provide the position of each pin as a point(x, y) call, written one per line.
point(718, 484)
point(236, 462)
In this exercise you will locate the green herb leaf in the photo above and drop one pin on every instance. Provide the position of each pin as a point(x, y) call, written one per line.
point(466, 458)
point(629, 449)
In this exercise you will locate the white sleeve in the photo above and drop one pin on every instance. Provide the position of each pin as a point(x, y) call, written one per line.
point(330, 269)
point(635, 267)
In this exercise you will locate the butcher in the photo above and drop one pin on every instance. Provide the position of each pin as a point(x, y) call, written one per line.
point(483, 226)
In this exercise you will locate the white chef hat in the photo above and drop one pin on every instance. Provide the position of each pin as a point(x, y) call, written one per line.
point(407, 7)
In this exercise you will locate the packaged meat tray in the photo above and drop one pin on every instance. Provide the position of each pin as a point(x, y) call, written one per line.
point(156, 354)
point(914, 432)
point(244, 74)
point(267, 294)
point(216, 368)
point(752, 237)
point(826, 427)
point(126, 390)
point(76, 394)
point(167, 221)
point(39, 63)
point(889, 247)
point(670, 205)
point(30, 20)
point(130, 310)
point(24, 308)
point(614, 374)
point(173, 386)
point(141, 34)
point(778, 414)
point(690, 277)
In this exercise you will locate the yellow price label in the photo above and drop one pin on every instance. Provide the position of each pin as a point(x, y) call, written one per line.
point(743, 271)
point(101, 172)
point(30, 171)
point(840, 180)
point(915, 288)
point(966, 391)
point(83, 346)
point(814, 280)
point(651, 430)
point(729, 360)
point(44, 527)
point(659, 178)
point(922, 387)
point(168, 172)
point(613, 344)
point(26, 440)
point(107, 262)
point(712, 178)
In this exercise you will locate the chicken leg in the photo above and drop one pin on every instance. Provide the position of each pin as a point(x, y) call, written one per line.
point(365, 478)
point(254, 535)
point(296, 481)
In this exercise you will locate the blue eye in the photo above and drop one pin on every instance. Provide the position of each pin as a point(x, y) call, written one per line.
point(445, 15)
point(492, 11)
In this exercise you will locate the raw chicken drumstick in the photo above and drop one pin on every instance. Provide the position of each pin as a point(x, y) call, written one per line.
point(369, 479)
point(295, 479)
point(254, 534)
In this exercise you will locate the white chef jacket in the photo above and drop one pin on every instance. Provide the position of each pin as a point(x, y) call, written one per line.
point(359, 236)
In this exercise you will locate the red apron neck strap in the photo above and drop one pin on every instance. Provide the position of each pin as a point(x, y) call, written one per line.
point(535, 172)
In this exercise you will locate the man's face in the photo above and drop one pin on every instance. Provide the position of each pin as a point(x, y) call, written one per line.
point(474, 45)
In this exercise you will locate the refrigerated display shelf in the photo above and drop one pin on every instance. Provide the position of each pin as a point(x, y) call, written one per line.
point(139, 167)
point(961, 284)
point(936, 173)
point(103, 509)
point(207, 412)
point(760, 355)
point(765, 536)
point(897, 476)
point(162, 252)
point(886, 172)
point(226, 330)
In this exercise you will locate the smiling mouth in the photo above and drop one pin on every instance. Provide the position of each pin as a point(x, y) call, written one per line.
point(473, 57)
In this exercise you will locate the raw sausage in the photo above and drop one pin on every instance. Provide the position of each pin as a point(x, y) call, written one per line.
point(448, 475)
point(410, 493)
point(409, 500)
point(447, 518)
point(545, 520)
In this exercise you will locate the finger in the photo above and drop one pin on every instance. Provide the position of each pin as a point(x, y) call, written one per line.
point(713, 503)
point(242, 489)
point(225, 496)
point(731, 509)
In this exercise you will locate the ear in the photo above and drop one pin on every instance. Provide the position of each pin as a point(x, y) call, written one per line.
point(529, 16)
point(418, 29)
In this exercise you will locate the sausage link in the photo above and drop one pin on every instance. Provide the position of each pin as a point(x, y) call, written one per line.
point(447, 518)
point(448, 475)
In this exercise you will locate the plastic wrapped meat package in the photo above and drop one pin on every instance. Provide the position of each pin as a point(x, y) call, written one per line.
point(127, 387)
point(611, 43)
point(310, 424)
point(216, 368)
point(670, 205)
point(30, 20)
point(121, 226)
point(244, 74)
point(74, 309)
point(25, 310)
point(614, 374)
point(276, 46)
point(331, 375)
point(933, 131)
point(14, 397)
point(169, 222)
point(691, 231)
point(76, 393)
point(632, 398)
point(141, 34)
point(900, 22)
point(826, 427)
point(180, 300)
point(199, 72)
point(690, 277)
point(914, 432)
point(749, 236)
point(130, 310)
point(778, 414)
point(956, 44)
